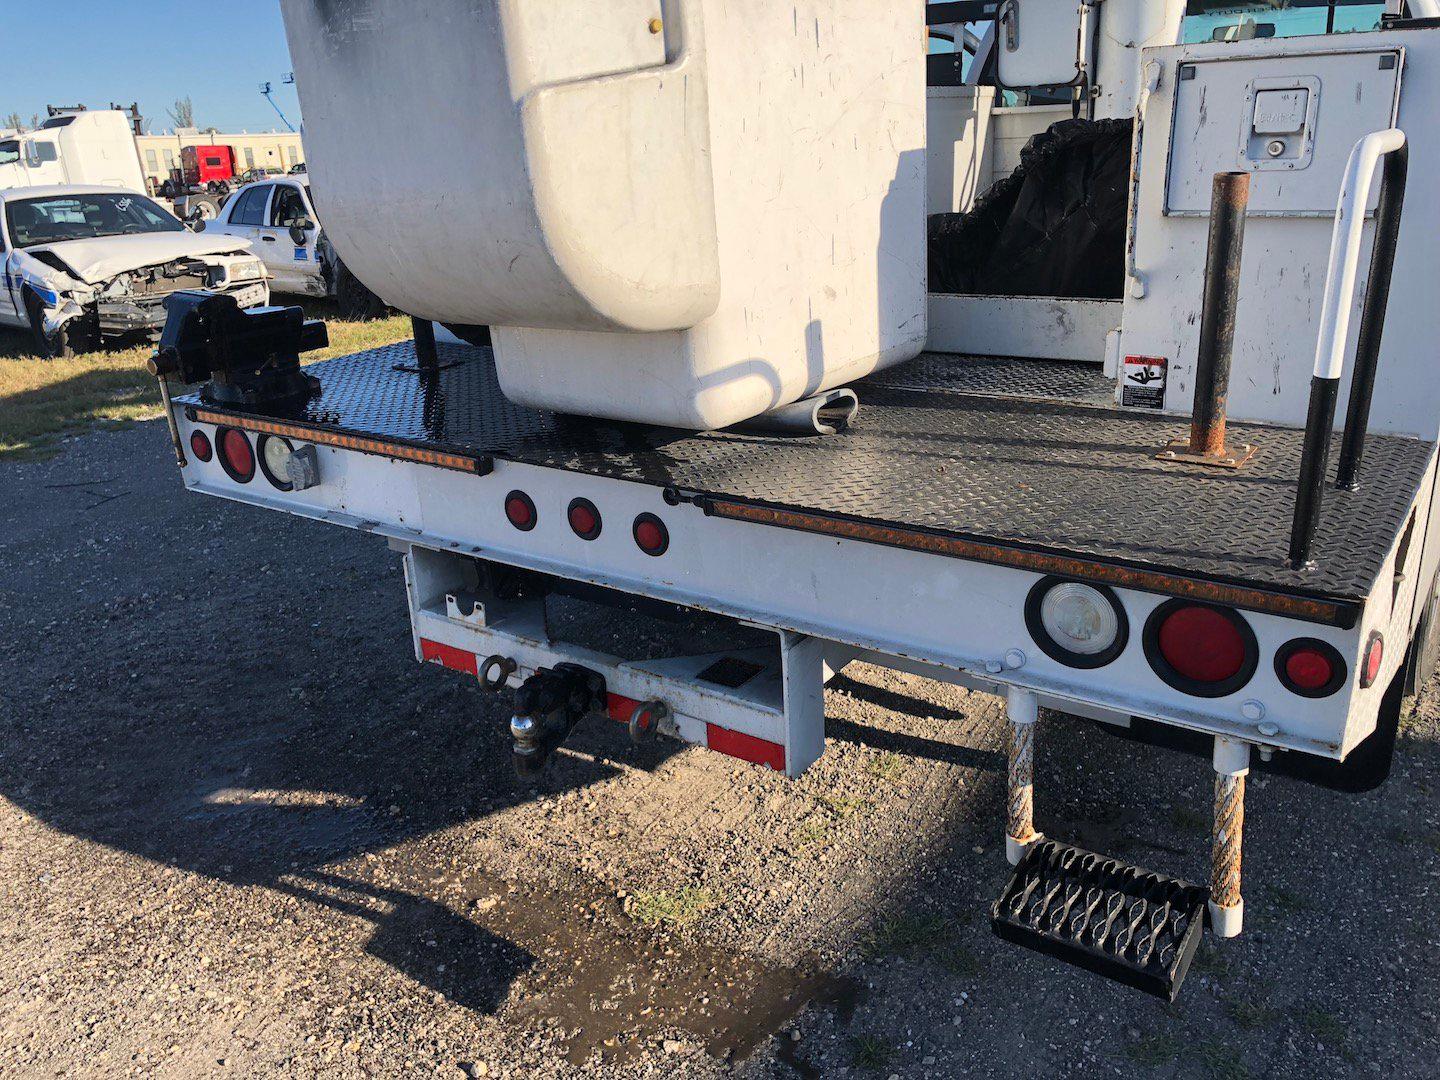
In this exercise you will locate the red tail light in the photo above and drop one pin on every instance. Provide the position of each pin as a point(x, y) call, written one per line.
point(584, 519)
point(200, 445)
point(1310, 667)
point(237, 457)
point(651, 535)
point(1374, 655)
point(520, 509)
point(1200, 649)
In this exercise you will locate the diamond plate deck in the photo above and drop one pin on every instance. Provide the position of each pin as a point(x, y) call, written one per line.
point(945, 454)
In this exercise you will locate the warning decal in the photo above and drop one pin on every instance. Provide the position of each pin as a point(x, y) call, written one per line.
point(1144, 382)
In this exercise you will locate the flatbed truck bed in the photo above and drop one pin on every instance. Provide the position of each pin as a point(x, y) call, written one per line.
point(1020, 462)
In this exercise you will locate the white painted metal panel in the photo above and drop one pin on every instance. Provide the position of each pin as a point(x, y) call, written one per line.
point(1290, 122)
point(1041, 42)
point(1282, 276)
point(960, 615)
point(1044, 327)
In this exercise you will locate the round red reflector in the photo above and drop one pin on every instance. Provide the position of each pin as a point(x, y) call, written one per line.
point(1202, 644)
point(1374, 654)
point(520, 509)
point(1308, 669)
point(200, 446)
point(584, 519)
point(651, 534)
point(236, 456)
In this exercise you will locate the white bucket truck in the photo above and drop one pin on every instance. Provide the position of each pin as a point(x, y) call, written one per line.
point(699, 211)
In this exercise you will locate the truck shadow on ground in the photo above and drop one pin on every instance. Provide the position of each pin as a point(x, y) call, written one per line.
point(235, 696)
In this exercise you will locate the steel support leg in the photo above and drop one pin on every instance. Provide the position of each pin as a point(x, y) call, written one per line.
point(1024, 709)
point(1227, 908)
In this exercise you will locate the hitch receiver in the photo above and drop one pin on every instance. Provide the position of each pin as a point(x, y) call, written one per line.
point(548, 706)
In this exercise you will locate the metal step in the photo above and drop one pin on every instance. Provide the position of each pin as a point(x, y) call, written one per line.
point(1132, 925)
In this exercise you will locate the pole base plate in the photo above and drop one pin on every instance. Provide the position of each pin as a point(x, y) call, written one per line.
point(1178, 452)
point(1131, 925)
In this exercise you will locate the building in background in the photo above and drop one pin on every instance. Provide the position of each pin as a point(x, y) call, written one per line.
point(263, 150)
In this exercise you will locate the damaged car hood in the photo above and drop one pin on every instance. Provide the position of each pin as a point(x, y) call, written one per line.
point(98, 260)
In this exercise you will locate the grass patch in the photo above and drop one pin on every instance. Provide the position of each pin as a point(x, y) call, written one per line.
point(870, 1053)
point(886, 766)
point(1211, 961)
point(815, 831)
point(1154, 1050)
point(842, 806)
point(1325, 1027)
point(906, 932)
point(960, 960)
point(41, 400)
point(1253, 1014)
point(677, 907)
point(1223, 1062)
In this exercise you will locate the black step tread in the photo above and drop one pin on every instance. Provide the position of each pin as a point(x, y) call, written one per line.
point(1133, 925)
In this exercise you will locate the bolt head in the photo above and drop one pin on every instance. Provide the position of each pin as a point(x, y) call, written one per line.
point(1269, 729)
point(1253, 711)
point(1015, 658)
point(994, 667)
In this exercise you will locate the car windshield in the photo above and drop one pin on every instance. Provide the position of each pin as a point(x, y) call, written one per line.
point(54, 219)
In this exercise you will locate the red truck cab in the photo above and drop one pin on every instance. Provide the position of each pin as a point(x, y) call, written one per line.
point(203, 164)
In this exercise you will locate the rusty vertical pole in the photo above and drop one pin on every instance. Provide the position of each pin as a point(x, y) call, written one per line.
point(1024, 710)
point(1230, 195)
point(1227, 908)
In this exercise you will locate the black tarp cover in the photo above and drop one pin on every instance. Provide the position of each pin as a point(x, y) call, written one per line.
point(1054, 227)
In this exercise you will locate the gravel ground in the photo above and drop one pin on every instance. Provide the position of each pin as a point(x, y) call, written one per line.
point(243, 832)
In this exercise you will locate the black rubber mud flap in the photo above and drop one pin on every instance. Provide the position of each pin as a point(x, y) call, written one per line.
point(1131, 925)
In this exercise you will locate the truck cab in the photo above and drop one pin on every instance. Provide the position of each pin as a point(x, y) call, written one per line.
point(78, 147)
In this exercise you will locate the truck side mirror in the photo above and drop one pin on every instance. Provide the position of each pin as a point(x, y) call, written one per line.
point(300, 229)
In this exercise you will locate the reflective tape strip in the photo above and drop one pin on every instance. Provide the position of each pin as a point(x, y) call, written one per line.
point(745, 747)
point(479, 465)
point(433, 652)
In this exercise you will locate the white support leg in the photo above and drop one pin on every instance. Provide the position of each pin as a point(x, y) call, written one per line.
point(803, 669)
point(1227, 908)
point(1024, 709)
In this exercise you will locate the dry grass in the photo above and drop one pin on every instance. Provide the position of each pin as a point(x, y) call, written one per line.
point(41, 400)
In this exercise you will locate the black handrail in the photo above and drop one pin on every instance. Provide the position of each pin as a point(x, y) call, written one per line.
point(1320, 421)
point(1372, 318)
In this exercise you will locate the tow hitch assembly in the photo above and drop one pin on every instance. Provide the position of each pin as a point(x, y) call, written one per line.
point(548, 706)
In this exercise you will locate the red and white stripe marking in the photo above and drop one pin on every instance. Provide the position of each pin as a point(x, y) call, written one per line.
point(736, 744)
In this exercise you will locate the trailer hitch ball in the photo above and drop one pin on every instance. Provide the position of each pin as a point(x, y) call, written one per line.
point(645, 721)
point(548, 706)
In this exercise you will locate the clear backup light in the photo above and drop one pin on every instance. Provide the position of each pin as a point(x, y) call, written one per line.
point(1079, 625)
point(1079, 618)
point(275, 454)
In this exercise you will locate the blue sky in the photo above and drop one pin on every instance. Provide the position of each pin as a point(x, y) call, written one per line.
point(153, 52)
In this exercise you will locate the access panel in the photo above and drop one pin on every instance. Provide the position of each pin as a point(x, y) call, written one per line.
point(1290, 121)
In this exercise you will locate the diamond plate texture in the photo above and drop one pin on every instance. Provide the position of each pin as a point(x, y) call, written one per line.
point(1064, 476)
point(1001, 376)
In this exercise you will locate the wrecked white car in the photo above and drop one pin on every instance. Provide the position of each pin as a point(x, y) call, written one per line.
point(85, 264)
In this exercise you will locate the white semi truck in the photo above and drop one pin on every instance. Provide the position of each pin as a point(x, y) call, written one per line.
point(94, 147)
point(1156, 447)
point(90, 147)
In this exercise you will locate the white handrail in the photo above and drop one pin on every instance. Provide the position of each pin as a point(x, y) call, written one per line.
point(1345, 248)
